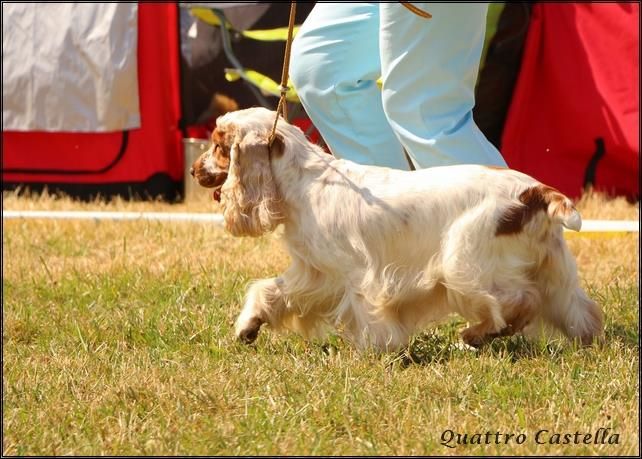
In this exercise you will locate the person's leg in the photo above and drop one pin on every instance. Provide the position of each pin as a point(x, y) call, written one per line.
point(334, 68)
point(429, 70)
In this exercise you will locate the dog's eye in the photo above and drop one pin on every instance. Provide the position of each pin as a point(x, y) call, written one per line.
point(219, 150)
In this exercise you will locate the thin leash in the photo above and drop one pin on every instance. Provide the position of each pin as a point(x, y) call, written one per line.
point(418, 11)
point(281, 108)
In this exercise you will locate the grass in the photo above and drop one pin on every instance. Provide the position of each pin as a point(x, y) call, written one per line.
point(117, 340)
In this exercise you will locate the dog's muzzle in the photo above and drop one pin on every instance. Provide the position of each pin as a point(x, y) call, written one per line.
point(207, 179)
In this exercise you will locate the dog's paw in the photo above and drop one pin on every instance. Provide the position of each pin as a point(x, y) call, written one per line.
point(473, 338)
point(247, 331)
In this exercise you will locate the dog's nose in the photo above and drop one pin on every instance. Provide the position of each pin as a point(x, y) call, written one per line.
point(191, 171)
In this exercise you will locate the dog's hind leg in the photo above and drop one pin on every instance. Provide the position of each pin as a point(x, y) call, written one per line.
point(520, 306)
point(485, 310)
point(468, 275)
point(566, 305)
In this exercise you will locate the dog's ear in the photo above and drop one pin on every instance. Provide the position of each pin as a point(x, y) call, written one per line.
point(250, 196)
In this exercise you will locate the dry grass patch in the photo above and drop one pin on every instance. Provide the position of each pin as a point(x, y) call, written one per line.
point(117, 340)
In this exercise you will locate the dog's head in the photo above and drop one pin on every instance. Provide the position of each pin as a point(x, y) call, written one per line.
point(238, 166)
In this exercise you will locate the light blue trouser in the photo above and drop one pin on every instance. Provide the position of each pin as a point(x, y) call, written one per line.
point(428, 67)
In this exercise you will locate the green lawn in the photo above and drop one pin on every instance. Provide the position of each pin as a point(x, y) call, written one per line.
point(117, 339)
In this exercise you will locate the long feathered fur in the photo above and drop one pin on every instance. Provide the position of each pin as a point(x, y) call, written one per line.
point(377, 254)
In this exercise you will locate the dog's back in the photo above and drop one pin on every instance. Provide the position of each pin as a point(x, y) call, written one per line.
point(492, 237)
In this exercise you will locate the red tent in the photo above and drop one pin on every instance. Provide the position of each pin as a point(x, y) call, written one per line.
point(148, 160)
point(574, 117)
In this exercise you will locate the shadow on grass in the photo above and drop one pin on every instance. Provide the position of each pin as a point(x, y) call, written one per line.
point(441, 345)
point(516, 348)
point(429, 349)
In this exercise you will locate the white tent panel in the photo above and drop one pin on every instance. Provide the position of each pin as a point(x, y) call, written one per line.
point(69, 67)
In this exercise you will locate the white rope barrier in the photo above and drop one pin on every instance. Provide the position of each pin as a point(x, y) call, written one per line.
point(588, 226)
point(104, 215)
point(610, 226)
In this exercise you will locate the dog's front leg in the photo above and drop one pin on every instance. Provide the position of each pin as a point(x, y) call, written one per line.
point(264, 303)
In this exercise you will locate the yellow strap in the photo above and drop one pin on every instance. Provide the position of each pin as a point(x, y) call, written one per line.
point(206, 15)
point(263, 82)
point(278, 34)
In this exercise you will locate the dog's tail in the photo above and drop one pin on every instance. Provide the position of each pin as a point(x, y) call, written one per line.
point(558, 208)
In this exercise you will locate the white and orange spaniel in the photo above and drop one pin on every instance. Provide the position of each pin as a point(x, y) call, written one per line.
point(378, 254)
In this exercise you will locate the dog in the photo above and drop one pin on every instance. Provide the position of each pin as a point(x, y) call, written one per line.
point(379, 254)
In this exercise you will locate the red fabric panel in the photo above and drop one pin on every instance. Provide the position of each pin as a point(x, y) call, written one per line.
point(579, 80)
point(154, 148)
point(57, 150)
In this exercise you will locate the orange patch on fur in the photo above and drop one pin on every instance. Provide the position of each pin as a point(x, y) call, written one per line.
point(221, 159)
point(553, 196)
point(218, 138)
point(498, 168)
point(222, 151)
point(517, 216)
